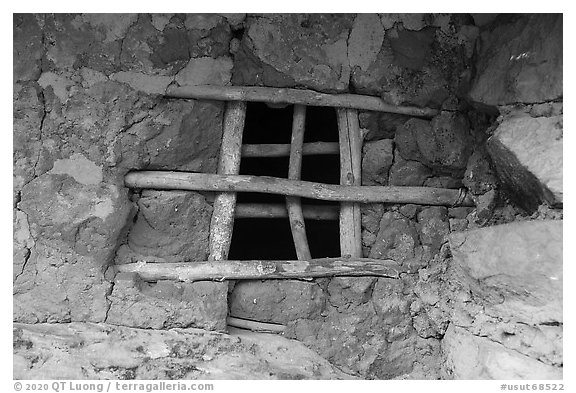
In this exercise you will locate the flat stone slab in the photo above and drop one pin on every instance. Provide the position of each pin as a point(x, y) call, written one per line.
point(102, 351)
point(519, 264)
point(467, 356)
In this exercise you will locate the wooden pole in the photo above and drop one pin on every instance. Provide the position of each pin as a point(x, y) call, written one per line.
point(269, 210)
point(294, 96)
point(283, 150)
point(260, 270)
point(164, 180)
point(350, 175)
point(222, 221)
point(297, 225)
point(255, 325)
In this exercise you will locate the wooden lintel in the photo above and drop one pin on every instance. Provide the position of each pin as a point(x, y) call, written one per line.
point(164, 180)
point(259, 270)
point(294, 96)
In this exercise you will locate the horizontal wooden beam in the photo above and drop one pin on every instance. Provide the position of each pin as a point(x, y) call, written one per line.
point(259, 270)
point(270, 210)
point(294, 96)
point(163, 180)
point(283, 150)
point(255, 325)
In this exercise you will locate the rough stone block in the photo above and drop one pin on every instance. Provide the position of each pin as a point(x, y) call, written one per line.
point(468, 356)
point(167, 304)
point(276, 301)
point(78, 351)
point(171, 226)
point(520, 61)
point(376, 162)
point(287, 50)
point(518, 266)
point(528, 158)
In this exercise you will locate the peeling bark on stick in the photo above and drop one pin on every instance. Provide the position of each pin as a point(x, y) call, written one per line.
point(297, 225)
point(260, 270)
point(270, 210)
point(283, 150)
point(222, 221)
point(164, 180)
point(294, 96)
point(350, 174)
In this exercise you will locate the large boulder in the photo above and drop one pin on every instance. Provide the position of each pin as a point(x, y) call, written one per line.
point(521, 262)
point(502, 293)
point(468, 356)
point(102, 352)
point(527, 155)
point(520, 61)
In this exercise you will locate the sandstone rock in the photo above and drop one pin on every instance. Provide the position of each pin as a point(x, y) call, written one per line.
point(28, 48)
point(73, 42)
point(380, 125)
point(412, 65)
point(407, 173)
point(443, 182)
point(75, 228)
point(150, 84)
point(288, 50)
point(468, 356)
point(171, 226)
point(365, 40)
point(206, 71)
point(27, 123)
point(443, 144)
point(367, 330)
point(397, 238)
point(479, 177)
point(276, 301)
point(371, 216)
point(527, 155)
point(376, 162)
point(101, 351)
point(181, 135)
point(519, 264)
point(433, 226)
point(520, 61)
point(166, 304)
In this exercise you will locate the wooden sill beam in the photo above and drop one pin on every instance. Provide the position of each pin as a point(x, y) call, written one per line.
point(164, 180)
point(294, 96)
point(259, 270)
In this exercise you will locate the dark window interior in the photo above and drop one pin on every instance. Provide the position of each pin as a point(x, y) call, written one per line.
point(271, 238)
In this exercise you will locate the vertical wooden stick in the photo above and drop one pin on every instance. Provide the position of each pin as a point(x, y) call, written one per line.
point(293, 204)
point(223, 214)
point(350, 174)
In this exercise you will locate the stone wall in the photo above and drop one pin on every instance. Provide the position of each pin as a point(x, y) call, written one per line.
point(88, 108)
